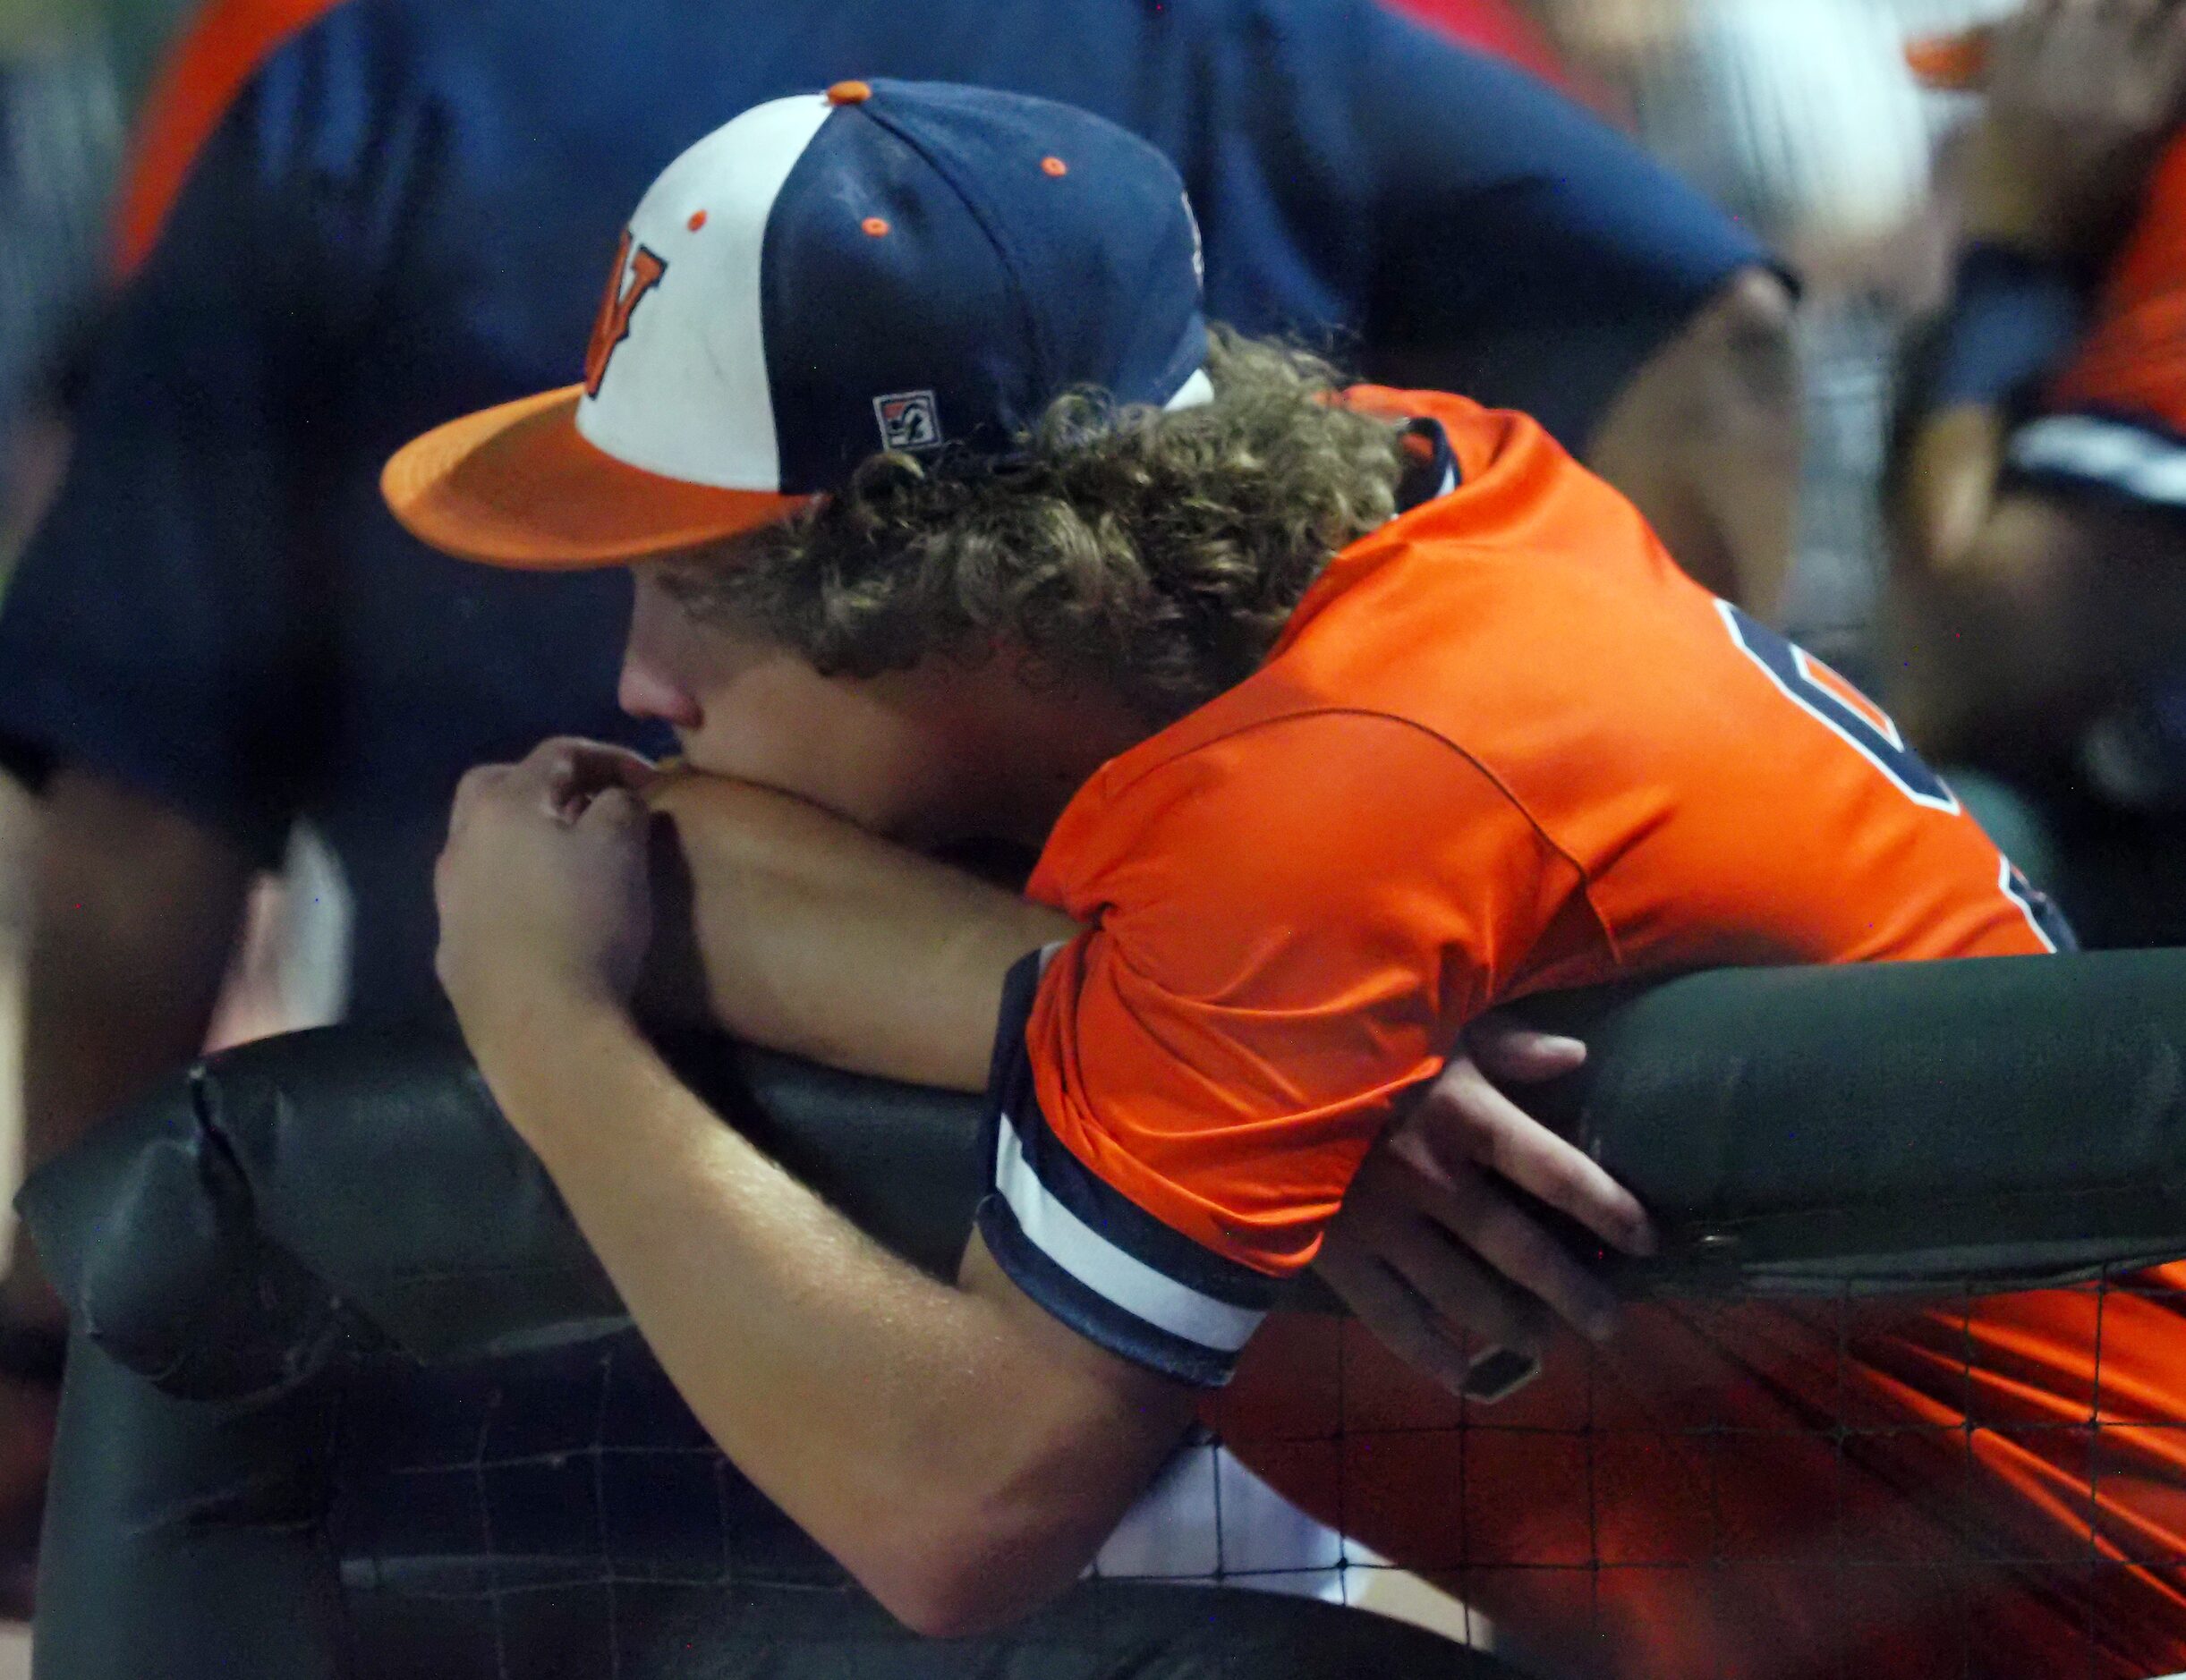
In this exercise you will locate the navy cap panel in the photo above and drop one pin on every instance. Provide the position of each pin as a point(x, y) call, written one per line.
point(996, 287)
point(923, 315)
point(1105, 251)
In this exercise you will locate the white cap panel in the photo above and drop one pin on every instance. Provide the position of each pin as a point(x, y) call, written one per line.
point(686, 394)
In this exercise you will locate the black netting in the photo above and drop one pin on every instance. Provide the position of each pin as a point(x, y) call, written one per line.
point(2006, 1515)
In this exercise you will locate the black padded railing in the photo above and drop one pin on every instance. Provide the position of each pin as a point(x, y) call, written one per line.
point(238, 1246)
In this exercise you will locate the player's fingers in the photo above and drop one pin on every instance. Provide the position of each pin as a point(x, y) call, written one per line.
point(1516, 1245)
point(1455, 1294)
point(568, 771)
point(1507, 1049)
point(604, 764)
point(1498, 1135)
point(477, 785)
point(1393, 1312)
point(544, 778)
point(602, 757)
point(613, 810)
point(1461, 1289)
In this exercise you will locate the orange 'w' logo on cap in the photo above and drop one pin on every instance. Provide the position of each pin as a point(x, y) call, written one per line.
point(615, 308)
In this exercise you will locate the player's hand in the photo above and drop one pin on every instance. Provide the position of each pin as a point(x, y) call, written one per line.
point(542, 886)
point(1435, 1255)
point(2080, 94)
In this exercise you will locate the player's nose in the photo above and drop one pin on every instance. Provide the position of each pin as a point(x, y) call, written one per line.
point(644, 693)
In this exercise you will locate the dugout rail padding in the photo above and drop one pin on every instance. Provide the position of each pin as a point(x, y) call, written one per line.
point(232, 1245)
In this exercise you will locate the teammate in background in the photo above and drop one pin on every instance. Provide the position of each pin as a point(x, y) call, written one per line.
point(2039, 474)
point(1340, 718)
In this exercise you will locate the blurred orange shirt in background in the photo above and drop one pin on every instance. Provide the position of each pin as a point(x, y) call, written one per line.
point(199, 78)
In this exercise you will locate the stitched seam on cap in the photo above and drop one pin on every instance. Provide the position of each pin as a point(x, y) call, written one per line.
point(1042, 352)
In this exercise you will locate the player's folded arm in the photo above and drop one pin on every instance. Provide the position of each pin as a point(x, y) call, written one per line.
point(1130, 1268)
point(838, 1377)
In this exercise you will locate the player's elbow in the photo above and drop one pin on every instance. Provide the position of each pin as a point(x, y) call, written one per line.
point(974, 1569)
point(991, 1524)
point(957, 1601)
point(1740, 381)
point(1704, 440)
point(1006, 1525)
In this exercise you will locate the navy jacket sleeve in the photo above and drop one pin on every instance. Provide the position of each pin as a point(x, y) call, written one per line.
point(1527, 254)
point(162, 627)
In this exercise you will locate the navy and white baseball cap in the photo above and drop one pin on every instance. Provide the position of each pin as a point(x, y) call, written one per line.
point(892, 265)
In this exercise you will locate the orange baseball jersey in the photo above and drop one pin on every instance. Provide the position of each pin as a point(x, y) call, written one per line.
point(2116, 415)
point(1504, 746)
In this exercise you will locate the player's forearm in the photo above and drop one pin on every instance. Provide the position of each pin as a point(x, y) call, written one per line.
point(1945, 497)
point(1704, 440)
point(910, 1427)
point(1968, 559)
point(2055, 608)
point(812, 937)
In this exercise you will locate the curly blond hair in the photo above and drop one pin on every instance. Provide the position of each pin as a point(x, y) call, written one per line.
point(1157, 552)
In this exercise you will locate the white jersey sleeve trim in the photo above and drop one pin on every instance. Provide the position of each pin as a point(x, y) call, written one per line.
point(1106, 1269)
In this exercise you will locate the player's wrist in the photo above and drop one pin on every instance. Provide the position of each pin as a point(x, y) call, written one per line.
point(540, 1058)
point(519, 1020)
point(2013, 315)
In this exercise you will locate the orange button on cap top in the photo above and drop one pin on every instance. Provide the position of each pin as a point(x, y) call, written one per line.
point(849, 93)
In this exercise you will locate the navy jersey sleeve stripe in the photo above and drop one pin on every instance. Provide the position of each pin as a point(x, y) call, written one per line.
point(1093, 1315)
point(1086, 1252)
point(1081, 1193)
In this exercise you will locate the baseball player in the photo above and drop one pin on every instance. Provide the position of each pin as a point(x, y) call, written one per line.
point(1338, 716)
point(219, 632)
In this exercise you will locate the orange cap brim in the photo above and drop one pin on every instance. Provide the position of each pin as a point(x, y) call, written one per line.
point(518, 486)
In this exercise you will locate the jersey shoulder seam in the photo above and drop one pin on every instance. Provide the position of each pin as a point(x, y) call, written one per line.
point(1547, 841)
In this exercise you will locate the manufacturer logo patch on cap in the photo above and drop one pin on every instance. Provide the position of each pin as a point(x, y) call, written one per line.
point(909, 420)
